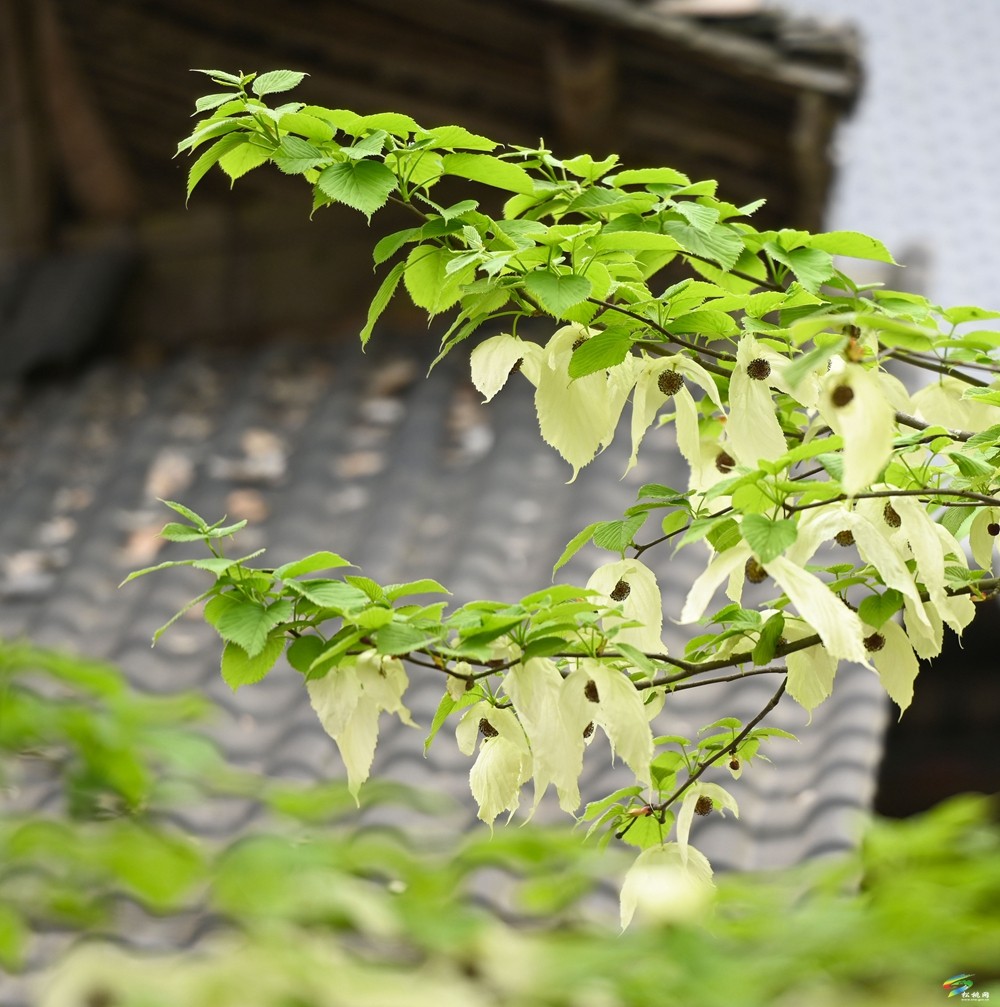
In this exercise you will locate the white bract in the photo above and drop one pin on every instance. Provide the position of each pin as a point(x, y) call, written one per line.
point(348, 701)
point(631, 585)
point(504, 761)
point(667, 885)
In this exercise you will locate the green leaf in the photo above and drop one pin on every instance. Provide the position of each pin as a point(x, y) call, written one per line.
point(767, 643)
point(877, 609)
point(815, 359)
point(15, 937)
point(595, 808)
point(648, 176)
point(425, 586)
point(970, 467)
point(372, 590)
point(852, 244)
point(428, 281)
point(556, 292)
point(210, 157)
point(490, 171)
point(607, 349)
point(635, 241)
point(295, 155)
point(392, 243)
point(210, 101)
point(195, 519)
point(402, 637)
point(220, 76)
point(812, 266)
point(446, 707)
point(446, 137)
point(576, 543)
point(616, 536)
point(244, 157)
point(333, 594)
point(174, 532)
point(276, 81)
point(968, 313)
point(768, 538)
point(306, 125)
point(361, 185)
point(381, 300)
point(303, 652)
point(310, 564)
point(248, 623)
point(240, 668)
point(721, 244)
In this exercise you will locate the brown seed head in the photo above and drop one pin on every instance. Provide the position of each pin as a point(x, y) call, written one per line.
point(892, 519)
point(993, 529)
point(841, 395)
point(734, 763)
point(703, 806)
point(758, 369)
point(621, 591)
point(874, 643)
point(487, 729)
point(755, 573)
point(590, 691)
point(588, 730)
point(577, 343)
point(844, 538)
point(725, 462)
point(516, 367)
point(670, 383)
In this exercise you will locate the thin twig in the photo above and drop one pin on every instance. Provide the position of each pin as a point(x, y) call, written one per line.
point(730, 748)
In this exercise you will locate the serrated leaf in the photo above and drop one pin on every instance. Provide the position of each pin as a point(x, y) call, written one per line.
point(617, 536)
point(877, 609)
point(333, 594)
point(322, 560)
point(766, 537)
point(490, 171)
point(424, 586)
point(556, 292)
point(812, 266)
point(576, 543)
point(721, 244)
point(221, 75)
point(388, 246)
point(240, 668)
point(402, 638)
point(276, 81)
point(381, 300)
point(814, 360)
point(210, 157)
point(595, 808)
point(361, 185)
point(607, 349)
point(303, 652)
point(244, 157)
point(371, 588)
point(210, 101)
point(174, 532)
point(428, 281)
point(648, 176)
point(248, 624)
point(852, 244)
point(195, 519)
point(767, 643)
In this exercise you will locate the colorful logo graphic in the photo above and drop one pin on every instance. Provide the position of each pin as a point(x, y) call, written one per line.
point(958, 985)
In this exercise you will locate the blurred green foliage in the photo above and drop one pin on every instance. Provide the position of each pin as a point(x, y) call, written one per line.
point(315, 910)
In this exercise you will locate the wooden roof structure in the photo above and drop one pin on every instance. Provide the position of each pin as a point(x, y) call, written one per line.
point(98, 93)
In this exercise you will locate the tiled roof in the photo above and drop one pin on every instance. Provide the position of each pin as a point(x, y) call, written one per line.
point(324, 448)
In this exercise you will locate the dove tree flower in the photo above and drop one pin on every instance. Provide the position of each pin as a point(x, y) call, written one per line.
point(781, 378)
